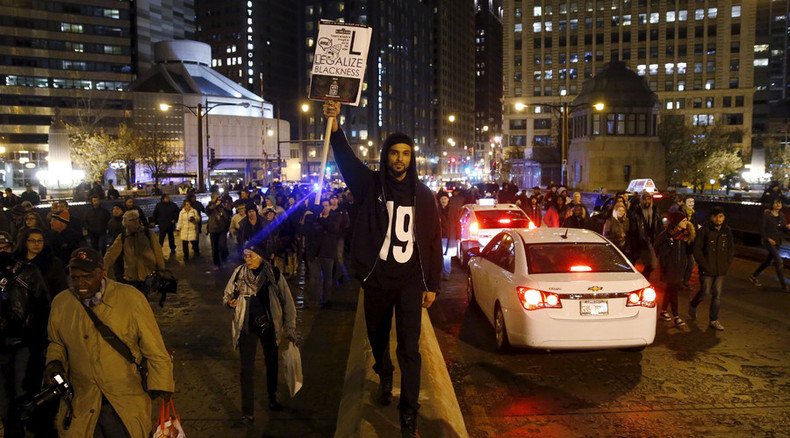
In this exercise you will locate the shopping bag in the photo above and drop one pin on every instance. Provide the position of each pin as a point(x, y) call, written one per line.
point(169, 424)
point(292, 367)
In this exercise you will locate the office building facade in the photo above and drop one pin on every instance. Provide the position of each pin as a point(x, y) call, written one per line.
point(488, 87)
point(772, 71)
point(697, 56)
point(73, 60)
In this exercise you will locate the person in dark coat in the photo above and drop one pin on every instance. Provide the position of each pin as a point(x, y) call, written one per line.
point(112, 192)
point(33, 246)
point(30, 195)
point(165, 217)
point(218, 221)
point(575, 220)
point(772, 193)
point(672, 249)
point(250, 226)
point(397, 253)
point(444, 221)
point(96, 220)
point(321, 231)
point(66, 237)
point(714, 249)
point(24, 310)
point(128, 204)
point(533, 210)
point(645, 225)
point(771, 233)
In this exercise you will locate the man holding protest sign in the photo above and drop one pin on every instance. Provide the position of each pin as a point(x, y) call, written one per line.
point(396, 253)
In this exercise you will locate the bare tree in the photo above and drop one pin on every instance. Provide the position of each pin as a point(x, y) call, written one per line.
point(159, 154)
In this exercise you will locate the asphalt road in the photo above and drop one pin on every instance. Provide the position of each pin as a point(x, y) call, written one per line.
point(690, 382)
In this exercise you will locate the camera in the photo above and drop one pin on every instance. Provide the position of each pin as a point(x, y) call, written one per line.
point(61, 388)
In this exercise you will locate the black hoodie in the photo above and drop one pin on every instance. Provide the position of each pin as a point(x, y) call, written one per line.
point(397, 263)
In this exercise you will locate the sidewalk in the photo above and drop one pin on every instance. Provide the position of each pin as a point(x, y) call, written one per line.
point(196, 327)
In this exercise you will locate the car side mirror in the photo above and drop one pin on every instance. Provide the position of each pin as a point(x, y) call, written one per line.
point(473, 251)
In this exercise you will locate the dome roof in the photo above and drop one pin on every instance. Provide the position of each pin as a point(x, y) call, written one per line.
point(617, 86)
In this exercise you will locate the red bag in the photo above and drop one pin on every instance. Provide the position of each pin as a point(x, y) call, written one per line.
point(169, 424)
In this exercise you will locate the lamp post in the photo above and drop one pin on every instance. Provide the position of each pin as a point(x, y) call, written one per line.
point(201, 111)
point(564, 109)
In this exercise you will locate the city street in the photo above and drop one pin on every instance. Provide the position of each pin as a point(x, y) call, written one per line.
point(690, 382)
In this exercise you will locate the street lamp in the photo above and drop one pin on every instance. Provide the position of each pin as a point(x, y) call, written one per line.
point(200, 111)
point(564, 109)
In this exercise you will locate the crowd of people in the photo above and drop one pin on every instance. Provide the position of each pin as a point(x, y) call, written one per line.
point(99, 256)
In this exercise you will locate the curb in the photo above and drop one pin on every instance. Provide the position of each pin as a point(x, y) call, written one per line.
point(360, 416)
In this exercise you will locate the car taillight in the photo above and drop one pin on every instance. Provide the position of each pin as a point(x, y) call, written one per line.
point(533, 299)
point(643, 297)
point(474, 227)
point(580, 268)
point(504, 221)
point(657, 196)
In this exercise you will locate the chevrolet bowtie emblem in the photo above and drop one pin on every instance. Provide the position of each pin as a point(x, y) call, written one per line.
point(595, 288)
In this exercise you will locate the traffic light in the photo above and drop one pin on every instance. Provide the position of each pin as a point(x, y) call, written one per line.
point(211, 157)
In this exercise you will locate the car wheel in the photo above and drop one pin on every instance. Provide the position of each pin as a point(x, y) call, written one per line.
point(470, 291)
point(502, 343)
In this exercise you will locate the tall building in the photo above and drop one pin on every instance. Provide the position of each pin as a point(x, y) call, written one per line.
point(488, 84)
point(695, 55)
point(159, 20)
point(397, 90)
point(255, 44)
point(454, 82)
point(72, 58)
point(772, 70)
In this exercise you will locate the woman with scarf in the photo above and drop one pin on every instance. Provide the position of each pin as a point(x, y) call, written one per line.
point(672, 248)
point(263, 312)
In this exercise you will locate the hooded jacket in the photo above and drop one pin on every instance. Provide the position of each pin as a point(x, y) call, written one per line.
point(372, 221)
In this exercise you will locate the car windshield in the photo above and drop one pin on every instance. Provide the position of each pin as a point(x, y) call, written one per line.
point(553, 258)
point(502, 218)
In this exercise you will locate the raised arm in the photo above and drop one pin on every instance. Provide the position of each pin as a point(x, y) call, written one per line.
point(356, 174)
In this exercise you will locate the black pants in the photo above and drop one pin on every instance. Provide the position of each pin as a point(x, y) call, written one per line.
point(216, 248)
point(773, 258)
point(671, 297)
point(378, 318)
point(185, 248)
point(248, 346)
point(171, 239)
point(109, 424)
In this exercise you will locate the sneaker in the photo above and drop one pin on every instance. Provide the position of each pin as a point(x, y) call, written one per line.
point(666, 316)
point(679, 322)
point(716, 325)
point(755, 281)
point(692, 313)
point(385, 391)
point(408, 424)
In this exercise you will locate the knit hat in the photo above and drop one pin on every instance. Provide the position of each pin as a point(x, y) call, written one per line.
point(674, 219)
point(86, 259)
point(258, 248)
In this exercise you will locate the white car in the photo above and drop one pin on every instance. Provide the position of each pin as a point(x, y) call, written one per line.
point(560, 288)
point(479, 222)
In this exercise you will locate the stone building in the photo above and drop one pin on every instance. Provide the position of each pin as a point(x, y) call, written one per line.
point(610, 147)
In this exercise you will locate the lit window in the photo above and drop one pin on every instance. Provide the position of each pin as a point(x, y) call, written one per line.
point(310, 42)
point(670, 17)
point(626, 20)
point(710, 84)
point(761, 62)
point(536, 27)
point(760, 47)
point(681, 86)
point(654, 17)
point(670, 68)
point(681, 68)
point(640, 69)
point(653, 69)
point(736, 11)
point(712, 12)
point(682, 15)
point(537, 11)
point(669, 105)
point(547, 26)
point(518, 27)
point(699, 14)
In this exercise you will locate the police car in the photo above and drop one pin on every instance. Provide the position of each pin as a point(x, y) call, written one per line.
point(559, 288)
point(481, 221)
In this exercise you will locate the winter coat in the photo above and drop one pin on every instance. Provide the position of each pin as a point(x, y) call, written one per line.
point(617, 231)
point(673, 257)
point(141, 252)
point(218, 218)
point(24, 307)
point(281, 305)
point(574, 221)
point(188, 229)
point(535, 214)
point(95, 368)
point(643, 236)
point(322, 234)
point(772, 227)
point(166, 215)
point(373, 220)
point(114, 227)
point(96, 220)
point(714, 249)
point(552, 217)
point(247, 230)
point(51, 269)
